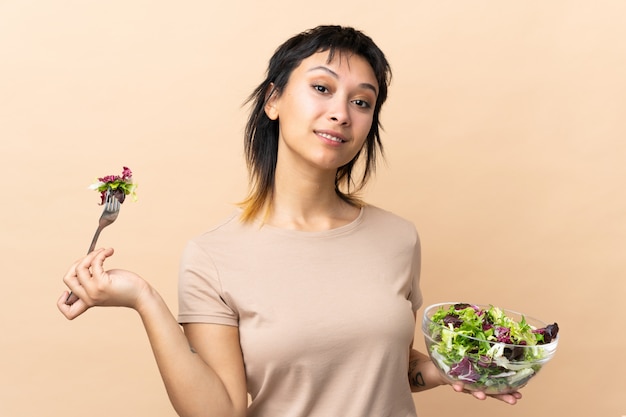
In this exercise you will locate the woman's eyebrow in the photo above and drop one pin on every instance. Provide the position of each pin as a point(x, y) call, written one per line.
point(335, 75)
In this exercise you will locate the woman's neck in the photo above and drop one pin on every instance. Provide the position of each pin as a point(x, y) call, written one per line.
point(308, 202)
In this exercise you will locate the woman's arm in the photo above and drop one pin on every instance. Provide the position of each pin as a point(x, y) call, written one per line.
point(203, 373)
point(210, 382)
point(422, 372)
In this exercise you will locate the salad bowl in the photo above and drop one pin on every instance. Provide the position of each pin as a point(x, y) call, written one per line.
point(488, 349)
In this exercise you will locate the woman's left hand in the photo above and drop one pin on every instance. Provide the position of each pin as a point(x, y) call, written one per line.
point(510, 398)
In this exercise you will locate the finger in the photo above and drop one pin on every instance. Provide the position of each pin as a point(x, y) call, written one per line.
point(460, 387)
point(510, 398)
point(97, 265)
point(70, 311)
point(479, 395)
point(71, 299)
point(77, 272)
point(83, 267)
point(71, 281)
point(76, 276)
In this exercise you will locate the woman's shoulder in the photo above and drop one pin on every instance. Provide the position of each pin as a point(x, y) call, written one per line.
point(386, 223)
point(227, 228)
point(377, 214)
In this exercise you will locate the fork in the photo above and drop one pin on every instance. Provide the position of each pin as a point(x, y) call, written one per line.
point(109, 214)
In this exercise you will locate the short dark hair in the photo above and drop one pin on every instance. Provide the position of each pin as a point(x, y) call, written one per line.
point(261, 133)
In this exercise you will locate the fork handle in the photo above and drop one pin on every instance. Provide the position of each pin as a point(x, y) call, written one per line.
point(71, 298)
point(92, 246)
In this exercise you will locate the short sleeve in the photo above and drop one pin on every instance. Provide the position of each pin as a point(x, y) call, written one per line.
point(416, 293)
point(200, 298)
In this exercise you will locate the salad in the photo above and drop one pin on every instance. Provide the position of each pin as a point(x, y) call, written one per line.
point(485, 348)
point(119, 185)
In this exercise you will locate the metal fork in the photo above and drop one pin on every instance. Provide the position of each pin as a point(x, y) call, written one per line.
point(109, 214)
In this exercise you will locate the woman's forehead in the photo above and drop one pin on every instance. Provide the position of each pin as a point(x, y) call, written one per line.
point(340, 60)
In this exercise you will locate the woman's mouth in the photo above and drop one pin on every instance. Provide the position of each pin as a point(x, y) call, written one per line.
point(331, 137)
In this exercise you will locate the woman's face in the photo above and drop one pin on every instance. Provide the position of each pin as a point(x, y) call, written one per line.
point(325, 111)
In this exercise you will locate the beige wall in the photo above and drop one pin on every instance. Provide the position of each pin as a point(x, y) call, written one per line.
point(505, 141)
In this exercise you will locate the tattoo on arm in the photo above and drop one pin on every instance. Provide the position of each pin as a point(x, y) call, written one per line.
point(416, 379)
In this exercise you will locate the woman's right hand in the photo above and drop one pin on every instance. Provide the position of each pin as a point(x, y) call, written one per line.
point(94, 286)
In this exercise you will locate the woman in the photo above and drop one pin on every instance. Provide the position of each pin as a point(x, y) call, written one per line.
point(305, 298)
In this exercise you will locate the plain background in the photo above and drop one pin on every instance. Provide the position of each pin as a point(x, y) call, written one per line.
point(505, 142)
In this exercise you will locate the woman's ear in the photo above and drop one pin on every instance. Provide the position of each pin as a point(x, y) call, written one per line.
point(271, 96)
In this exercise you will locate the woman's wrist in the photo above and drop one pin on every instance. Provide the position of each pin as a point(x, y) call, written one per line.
point(423, 374)
point(146, 300)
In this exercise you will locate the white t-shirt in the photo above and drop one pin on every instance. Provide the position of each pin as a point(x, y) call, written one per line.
point(325, 319)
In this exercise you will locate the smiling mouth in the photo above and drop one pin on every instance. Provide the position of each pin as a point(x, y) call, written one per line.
point(331, 137)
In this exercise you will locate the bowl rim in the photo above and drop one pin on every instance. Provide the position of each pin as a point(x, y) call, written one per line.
point(435, 306)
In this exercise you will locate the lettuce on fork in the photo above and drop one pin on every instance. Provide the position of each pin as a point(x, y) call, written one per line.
point(119, 185)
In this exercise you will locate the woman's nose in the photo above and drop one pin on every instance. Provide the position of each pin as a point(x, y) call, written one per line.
point(339, 113)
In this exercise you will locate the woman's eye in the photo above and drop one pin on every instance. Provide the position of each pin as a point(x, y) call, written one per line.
point(362, 103)
point(320, 88)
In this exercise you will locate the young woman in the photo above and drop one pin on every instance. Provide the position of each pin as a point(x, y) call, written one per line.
point(305, 297)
